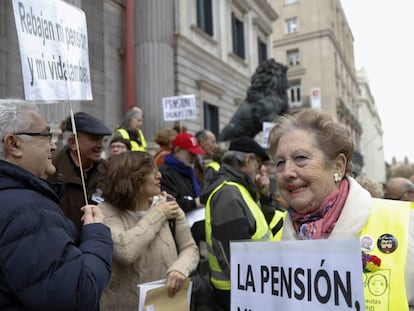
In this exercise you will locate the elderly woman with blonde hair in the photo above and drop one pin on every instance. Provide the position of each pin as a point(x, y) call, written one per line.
point(312, 154)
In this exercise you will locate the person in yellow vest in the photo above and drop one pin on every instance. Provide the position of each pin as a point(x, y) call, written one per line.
point(312, 156)
point(130, 129)
point(233, 210)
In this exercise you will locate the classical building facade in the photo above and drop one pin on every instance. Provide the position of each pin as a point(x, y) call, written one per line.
point(372, 137)
point(142, 51)
point(206, 48)
point(314, 39)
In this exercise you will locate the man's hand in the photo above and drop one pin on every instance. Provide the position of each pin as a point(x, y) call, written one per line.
point(92, 214)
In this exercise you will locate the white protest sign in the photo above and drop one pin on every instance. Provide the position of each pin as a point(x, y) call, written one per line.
point(316, 97)
point(53, 43)
point(296, 275)
point(179, 107)
point(266, 127)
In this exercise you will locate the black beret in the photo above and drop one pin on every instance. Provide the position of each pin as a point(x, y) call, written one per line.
point(249, 145)
point(88, 124)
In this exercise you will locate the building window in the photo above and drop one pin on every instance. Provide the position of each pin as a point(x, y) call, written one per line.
point(205, 16)
point(295, 98)
point(211, 118)
point(291, 25)
point(293, 57)
point(238, 36)
point(262, 50)
point(287, 2)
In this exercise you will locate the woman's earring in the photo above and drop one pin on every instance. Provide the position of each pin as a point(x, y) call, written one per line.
point(337, 177)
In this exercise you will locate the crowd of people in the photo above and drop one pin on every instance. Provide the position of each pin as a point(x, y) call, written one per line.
point(79, 231)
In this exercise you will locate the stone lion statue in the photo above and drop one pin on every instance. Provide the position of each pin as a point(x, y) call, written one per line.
point(266, 99)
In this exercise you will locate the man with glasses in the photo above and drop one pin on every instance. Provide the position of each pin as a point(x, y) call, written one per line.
point(90, 134)
point(118, 145)
point(44, 263)
point(399, 188)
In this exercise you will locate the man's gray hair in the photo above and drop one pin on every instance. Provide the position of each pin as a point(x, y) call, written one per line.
point(14, 117)
point(201, 135)
point(235, 158)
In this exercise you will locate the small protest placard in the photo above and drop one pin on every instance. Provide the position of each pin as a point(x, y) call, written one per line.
point(179, 108)
point(267, 127)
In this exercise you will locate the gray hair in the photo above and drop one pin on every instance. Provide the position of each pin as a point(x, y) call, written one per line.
point(133, 113)
point(14, 117)
point(235, 158)
point(201, 135)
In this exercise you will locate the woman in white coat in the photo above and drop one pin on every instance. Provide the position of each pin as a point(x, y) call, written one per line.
point(313, 161)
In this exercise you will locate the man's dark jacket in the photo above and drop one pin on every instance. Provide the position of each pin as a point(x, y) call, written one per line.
point(179, 186)
point(44, 265)
point(73, 197)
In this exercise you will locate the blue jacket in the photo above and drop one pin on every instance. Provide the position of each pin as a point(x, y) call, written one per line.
point(44, 264)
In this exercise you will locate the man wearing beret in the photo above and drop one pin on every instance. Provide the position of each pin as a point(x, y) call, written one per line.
point(90, 132)
point(233, 209)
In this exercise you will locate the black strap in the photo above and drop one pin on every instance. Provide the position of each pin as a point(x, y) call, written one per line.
point(278, 226)
point(171, 223)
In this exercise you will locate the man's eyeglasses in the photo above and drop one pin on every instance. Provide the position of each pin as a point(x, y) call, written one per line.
point(260, 162)
point(43, 134)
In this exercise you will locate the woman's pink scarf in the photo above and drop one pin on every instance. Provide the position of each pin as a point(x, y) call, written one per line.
point(322, 221)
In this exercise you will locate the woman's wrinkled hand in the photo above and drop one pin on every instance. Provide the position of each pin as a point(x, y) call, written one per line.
point(168, 208)
point(175, 280)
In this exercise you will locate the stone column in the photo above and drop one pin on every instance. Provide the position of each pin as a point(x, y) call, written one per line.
point(154, 60)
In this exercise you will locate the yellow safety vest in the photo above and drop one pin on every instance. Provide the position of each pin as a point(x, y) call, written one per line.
point(134, 144)
point(218, 278)
point(214, 165)
point(385, 289)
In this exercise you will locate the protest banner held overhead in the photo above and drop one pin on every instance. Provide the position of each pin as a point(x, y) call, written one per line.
point(53, 42)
